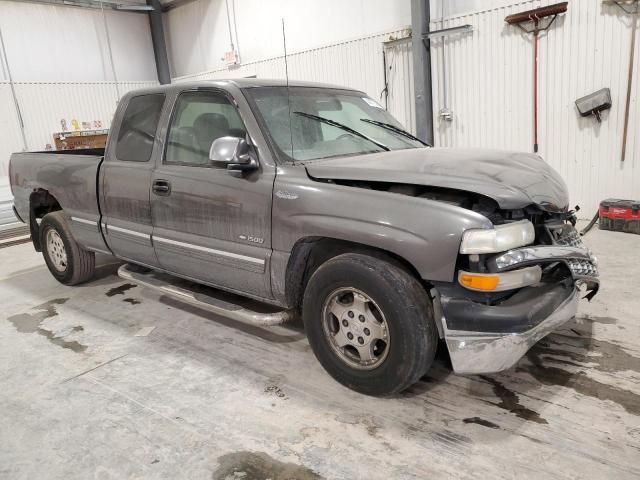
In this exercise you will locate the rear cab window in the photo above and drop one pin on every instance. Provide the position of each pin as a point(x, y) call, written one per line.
point(138, 128)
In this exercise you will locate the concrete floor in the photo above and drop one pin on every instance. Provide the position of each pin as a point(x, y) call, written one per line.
point(87, 391)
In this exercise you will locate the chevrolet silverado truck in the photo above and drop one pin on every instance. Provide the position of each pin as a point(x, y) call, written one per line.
point(311, 200)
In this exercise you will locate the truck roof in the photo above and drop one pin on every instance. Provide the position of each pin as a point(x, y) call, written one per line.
point(241, 83)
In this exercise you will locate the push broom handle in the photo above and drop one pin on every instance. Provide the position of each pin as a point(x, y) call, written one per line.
point(629, 86)
point(535, 89)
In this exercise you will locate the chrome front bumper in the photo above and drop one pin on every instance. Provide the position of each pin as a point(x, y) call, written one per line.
point(487, 338)
point(478, 352)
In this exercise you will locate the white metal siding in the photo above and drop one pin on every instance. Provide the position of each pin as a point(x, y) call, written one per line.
point(43, 105)
point(355, 63)
point(10, 139)
point(6, 202)
point(61, 43)
point(400, 100)
point(197, 33)
point(490, 92)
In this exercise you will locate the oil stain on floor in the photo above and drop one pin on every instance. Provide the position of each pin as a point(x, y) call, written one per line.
point(580, 355)
point(480, 421)
point(259, 466)
point(596, 319)
point(32, 323)
point(510, 401)
point(120, 289)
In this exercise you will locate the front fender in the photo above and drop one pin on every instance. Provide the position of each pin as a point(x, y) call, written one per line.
point(424, 232)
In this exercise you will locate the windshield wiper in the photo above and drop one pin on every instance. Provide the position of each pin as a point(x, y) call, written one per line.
point(343, 127)
point(393, 128)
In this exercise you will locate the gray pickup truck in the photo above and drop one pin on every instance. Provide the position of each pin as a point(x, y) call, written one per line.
point(313, 201)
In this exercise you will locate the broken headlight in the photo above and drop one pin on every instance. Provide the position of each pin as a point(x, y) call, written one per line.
point(498, 239)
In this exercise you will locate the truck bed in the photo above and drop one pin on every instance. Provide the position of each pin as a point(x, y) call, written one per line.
point(70, 176)
point(78, 151)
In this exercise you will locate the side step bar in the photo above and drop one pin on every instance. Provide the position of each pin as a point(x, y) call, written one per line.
point(216, 301)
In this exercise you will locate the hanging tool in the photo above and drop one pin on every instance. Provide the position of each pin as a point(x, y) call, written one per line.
point(536, 25)
point(631, 7)
point(595, 103)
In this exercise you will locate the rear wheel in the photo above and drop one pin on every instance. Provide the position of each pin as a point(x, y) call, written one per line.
point(67, 261)
point(369, 323)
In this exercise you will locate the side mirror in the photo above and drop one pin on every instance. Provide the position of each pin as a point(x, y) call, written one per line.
point(234, 152)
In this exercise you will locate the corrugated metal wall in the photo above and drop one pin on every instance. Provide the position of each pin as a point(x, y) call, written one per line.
point(399, 74)
point(490, 84)
point(44, 105)
point(355, 63)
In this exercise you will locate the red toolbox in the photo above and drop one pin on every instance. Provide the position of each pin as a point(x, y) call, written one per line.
point(620, 215)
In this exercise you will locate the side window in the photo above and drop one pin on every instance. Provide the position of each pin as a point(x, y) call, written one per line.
point(199, 118)
point(138, 128)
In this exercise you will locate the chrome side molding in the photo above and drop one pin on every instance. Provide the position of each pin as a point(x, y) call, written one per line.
point(85, 221)
point(128, 232)
point(222, 253)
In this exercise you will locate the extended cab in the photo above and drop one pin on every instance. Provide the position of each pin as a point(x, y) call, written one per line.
point(313, 200)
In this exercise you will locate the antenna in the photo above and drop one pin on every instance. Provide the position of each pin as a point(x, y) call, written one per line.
point(286, 73)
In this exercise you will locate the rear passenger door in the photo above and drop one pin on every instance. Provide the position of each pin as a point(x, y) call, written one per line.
point(126, 178)
point(210, 224)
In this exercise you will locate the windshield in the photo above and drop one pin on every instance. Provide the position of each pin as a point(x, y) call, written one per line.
point(327, 123)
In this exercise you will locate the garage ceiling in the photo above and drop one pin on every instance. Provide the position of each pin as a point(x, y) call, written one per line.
point(128, 5)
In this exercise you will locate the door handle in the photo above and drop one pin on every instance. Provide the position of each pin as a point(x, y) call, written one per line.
point(161, 187)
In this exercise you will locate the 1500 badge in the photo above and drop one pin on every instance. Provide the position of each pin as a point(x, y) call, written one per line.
point(250, 238)
point(286, 195)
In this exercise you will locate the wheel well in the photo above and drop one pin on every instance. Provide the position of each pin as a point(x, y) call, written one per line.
point(311, 252)
point(41, 202)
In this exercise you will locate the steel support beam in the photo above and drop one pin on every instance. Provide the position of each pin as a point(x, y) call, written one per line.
point(420, 18)
point(97, 4)
point(171, 4)
point(159, 44)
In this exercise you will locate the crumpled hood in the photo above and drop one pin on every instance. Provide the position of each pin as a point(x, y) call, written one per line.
point(512, 179)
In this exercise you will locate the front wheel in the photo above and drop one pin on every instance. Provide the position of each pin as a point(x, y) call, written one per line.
point(369, 323)
point(67, 261)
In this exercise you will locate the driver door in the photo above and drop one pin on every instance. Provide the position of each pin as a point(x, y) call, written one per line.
point(211, 225)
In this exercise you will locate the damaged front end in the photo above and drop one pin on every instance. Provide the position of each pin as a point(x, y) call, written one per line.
point(515, 284)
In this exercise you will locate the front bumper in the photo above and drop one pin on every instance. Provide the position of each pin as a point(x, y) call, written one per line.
point(485, 338)
point(474, 352)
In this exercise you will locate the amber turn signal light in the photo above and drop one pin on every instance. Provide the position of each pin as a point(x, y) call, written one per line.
point(499, 282)
point(485, 283)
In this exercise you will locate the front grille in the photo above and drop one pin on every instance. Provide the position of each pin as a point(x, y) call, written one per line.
point(565, 235)
point(583, 268)
point(570, 239)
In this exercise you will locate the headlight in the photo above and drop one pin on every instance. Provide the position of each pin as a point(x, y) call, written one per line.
point(498, 239)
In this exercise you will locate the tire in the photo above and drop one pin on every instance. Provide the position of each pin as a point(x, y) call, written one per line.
point(393, 298)
point(67, 261)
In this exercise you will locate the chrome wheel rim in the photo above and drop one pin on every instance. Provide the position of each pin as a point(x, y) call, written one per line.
point(355, 328)
point(56, 250)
